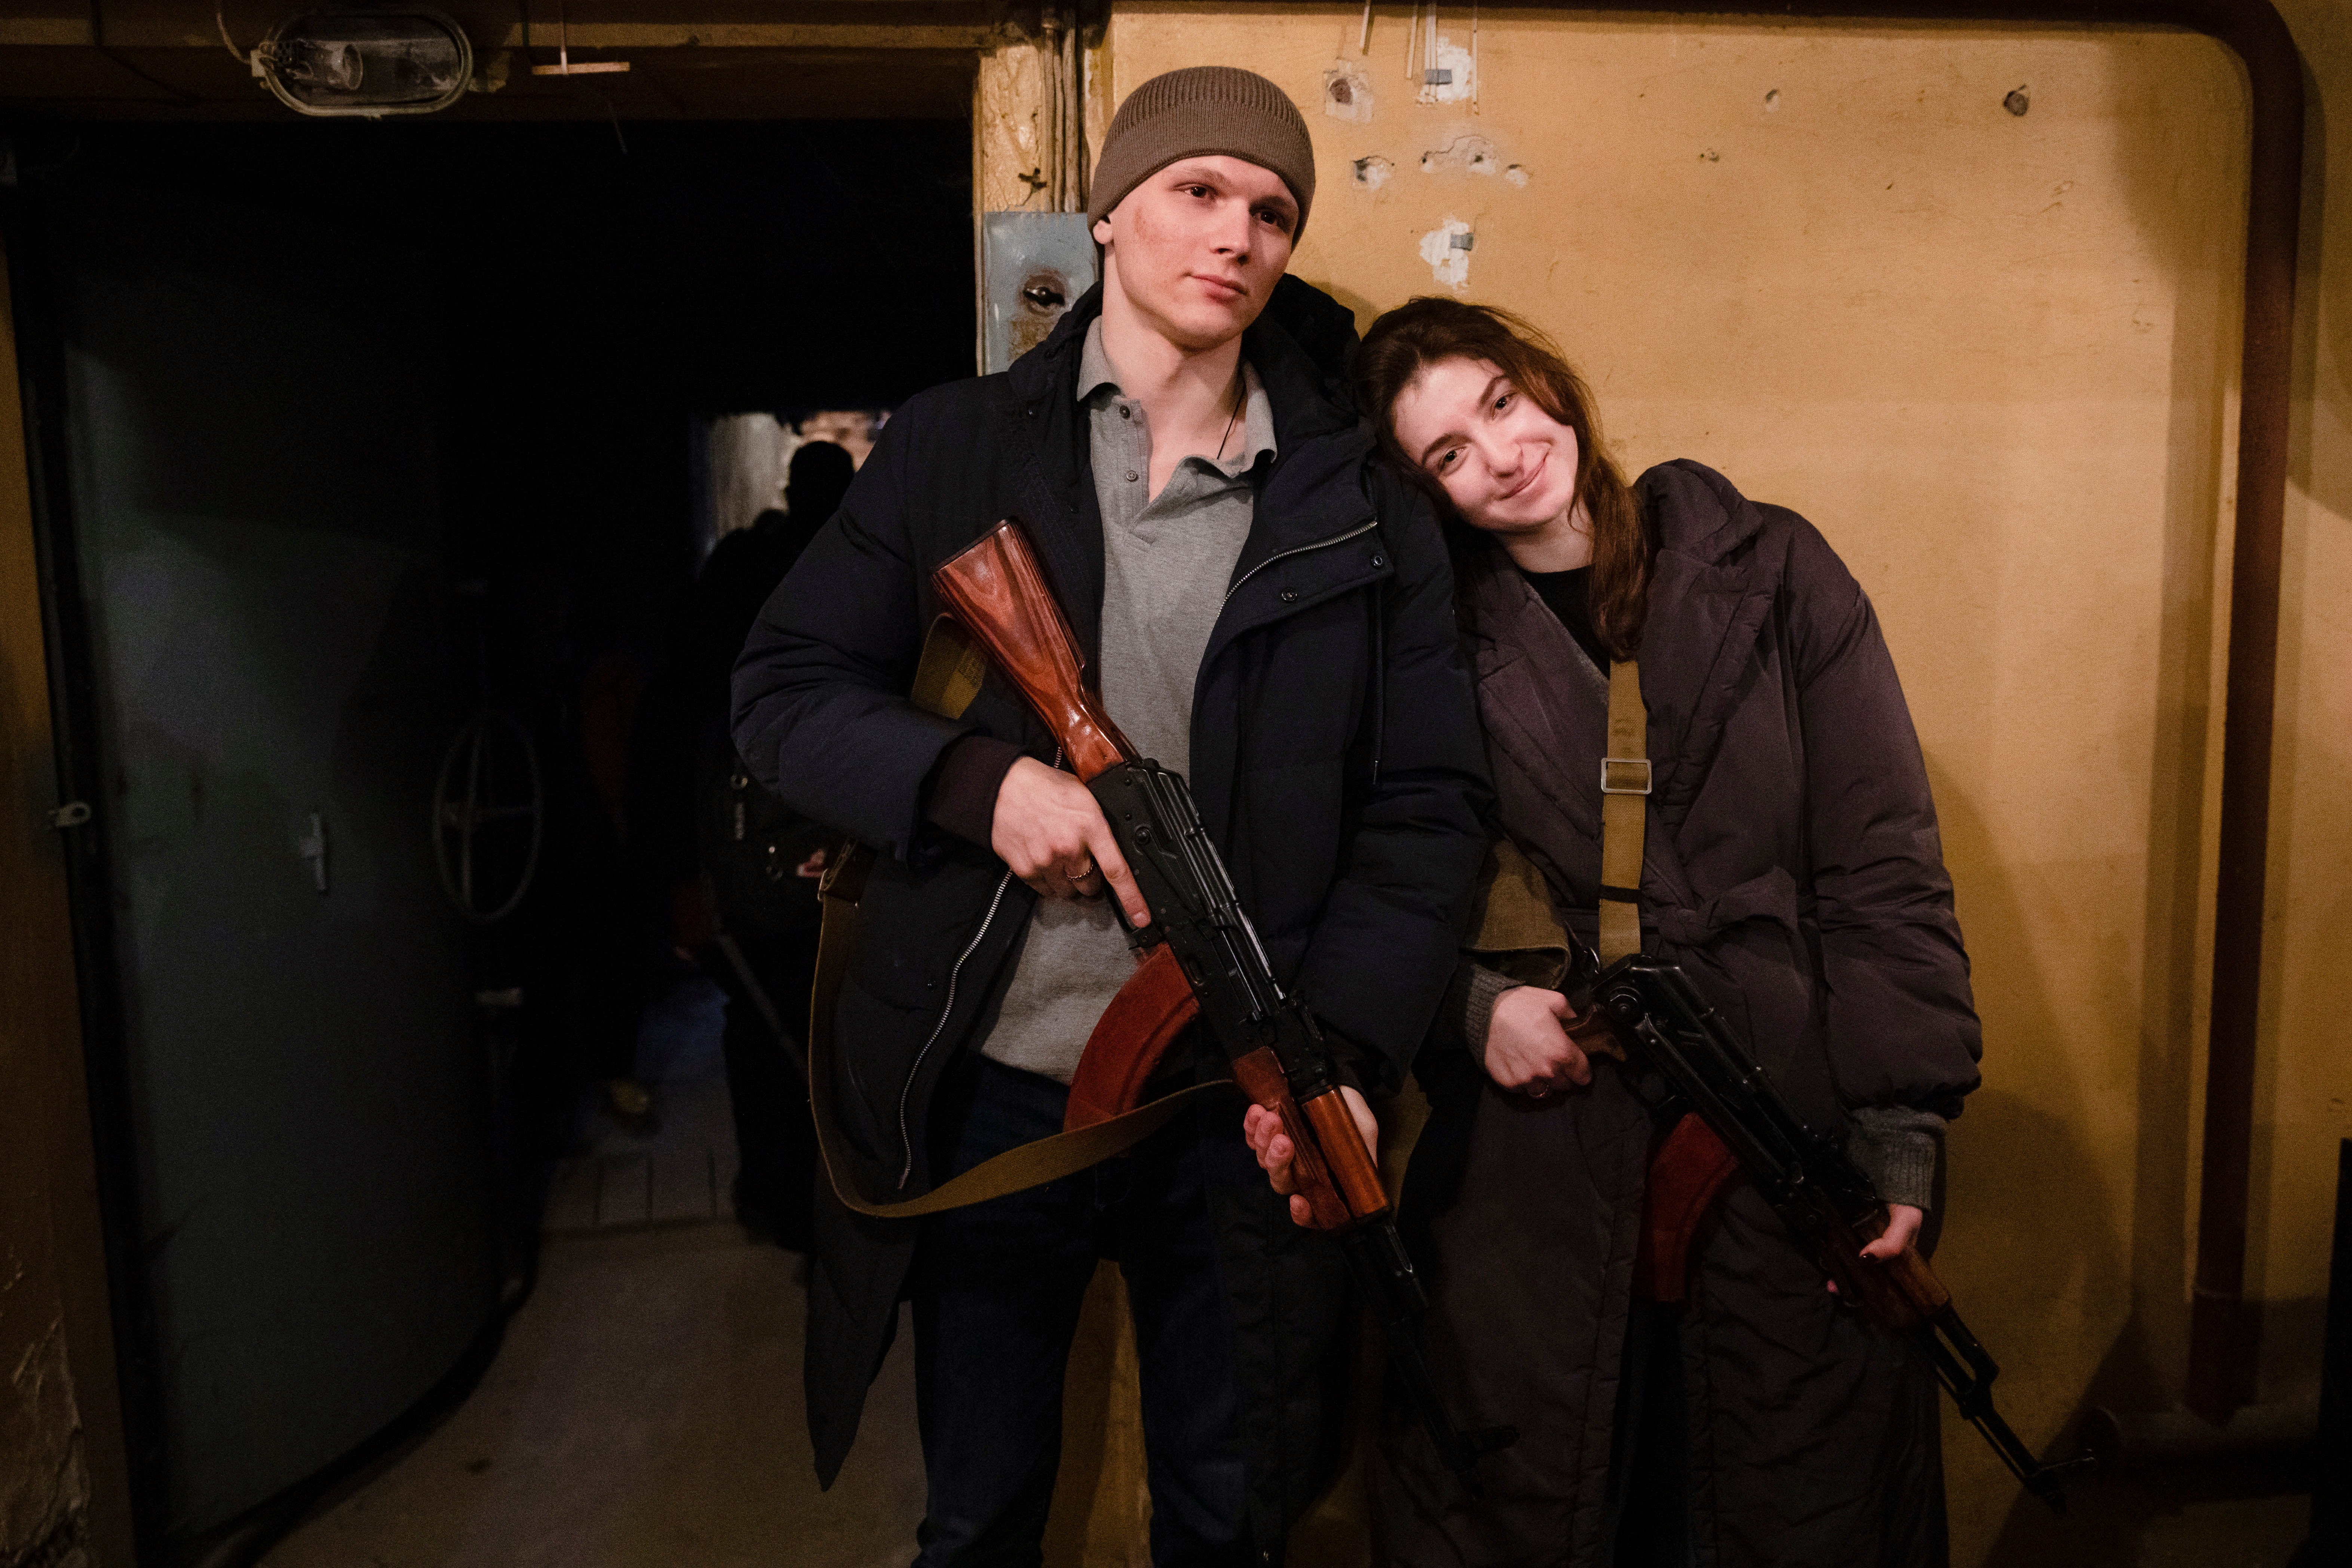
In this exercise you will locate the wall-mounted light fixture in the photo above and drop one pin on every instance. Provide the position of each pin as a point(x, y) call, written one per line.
point(364, 60)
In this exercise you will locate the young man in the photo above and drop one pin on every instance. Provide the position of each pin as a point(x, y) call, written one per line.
point(1266, 613)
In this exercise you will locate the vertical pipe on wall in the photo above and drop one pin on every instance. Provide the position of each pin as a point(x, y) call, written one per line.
point(1062, 60)
point(1073, 90)
point(1049, 104)
point(2224, 1346)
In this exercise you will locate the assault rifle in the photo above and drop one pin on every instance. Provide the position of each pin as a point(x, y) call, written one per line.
point(996, 589)
point(1646, 1012)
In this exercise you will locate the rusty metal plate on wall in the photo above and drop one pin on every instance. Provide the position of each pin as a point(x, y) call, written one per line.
point(1033, 266)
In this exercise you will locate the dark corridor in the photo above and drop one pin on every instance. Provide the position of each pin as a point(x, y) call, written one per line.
point(588, 289)
point(348, 431)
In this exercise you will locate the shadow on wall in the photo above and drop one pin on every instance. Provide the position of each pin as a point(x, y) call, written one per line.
point(2311, 876)
point(2029, 1246)
point(2032, 1251)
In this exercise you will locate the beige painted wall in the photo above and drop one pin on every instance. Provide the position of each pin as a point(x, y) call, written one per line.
point(1993, 357)
point(2304, 1101)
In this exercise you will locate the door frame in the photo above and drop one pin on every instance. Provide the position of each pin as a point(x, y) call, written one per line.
point(64, 986)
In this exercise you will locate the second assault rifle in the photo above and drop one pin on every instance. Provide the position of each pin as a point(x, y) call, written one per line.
point(1646, 1012)
point(998, 592)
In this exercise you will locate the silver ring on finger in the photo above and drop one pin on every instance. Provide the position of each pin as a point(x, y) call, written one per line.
point(1537, 1092)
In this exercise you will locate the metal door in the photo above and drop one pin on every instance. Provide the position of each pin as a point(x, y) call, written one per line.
point(249, 402)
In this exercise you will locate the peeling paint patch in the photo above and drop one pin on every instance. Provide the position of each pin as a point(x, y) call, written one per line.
point(1445, 72)
point(1347, 93)
point(1372, 173)
point(1447, 248)
point(1772, 102)
point(1474, 153)
point(1516, 174)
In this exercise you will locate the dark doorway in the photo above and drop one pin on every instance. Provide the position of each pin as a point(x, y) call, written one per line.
point(355, 430)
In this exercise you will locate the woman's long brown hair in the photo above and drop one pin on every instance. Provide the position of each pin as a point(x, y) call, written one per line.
point(1420, 333)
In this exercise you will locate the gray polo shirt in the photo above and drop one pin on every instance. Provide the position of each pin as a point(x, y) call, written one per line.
point(1168, 560)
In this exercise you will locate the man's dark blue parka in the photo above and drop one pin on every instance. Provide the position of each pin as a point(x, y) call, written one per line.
point(1336, 760)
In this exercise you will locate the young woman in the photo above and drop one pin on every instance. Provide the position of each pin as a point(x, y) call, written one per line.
point(1792, 867)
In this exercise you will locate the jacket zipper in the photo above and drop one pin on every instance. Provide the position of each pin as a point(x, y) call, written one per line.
point(905, 1093)
point(1366, 526)
point(907, 1089)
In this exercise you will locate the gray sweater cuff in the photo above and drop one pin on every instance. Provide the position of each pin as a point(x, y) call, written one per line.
point(1476, 989)
point(1896, 1148)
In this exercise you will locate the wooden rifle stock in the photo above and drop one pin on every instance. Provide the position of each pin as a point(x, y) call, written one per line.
point(997, 589)
point(1331, 1168)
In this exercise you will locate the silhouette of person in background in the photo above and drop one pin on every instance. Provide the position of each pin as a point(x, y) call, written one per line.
point(739, 867)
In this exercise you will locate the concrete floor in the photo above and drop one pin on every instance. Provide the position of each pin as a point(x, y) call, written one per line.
point(683, 1167)
point(645, 1410)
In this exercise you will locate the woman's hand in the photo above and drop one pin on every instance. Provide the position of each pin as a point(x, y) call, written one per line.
point(1049, 830)
point(1527, 1048)
point(1274, 1150)
point(1902, 1230)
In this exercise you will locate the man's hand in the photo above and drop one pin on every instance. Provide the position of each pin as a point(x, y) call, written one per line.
point(1049, 830)
point(1527, 1048)
point(1273, 1147)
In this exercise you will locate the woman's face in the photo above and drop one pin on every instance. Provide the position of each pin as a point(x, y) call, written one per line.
point(1507, 465)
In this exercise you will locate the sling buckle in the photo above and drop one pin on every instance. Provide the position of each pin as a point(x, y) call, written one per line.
point(1625, 775)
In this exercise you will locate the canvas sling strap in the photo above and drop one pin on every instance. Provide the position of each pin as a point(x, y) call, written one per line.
point(1516, 932)
point(1624, 812)
point(946, 681)
point(1692, 1166)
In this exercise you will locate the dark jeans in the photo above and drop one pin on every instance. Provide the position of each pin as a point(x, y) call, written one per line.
point(997, 1288)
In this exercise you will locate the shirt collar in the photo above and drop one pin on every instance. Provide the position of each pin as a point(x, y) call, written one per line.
point(1094, 365)
point(1257, 432)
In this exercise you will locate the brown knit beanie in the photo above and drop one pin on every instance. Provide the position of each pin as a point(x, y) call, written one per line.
point(1197, 113)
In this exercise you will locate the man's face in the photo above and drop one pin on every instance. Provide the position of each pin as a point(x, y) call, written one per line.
point(1197, 248)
